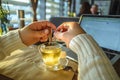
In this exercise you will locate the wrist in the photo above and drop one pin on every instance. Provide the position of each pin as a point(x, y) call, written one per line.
point(21, 35)
point(75, 37)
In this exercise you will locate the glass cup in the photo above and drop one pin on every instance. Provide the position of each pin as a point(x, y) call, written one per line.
point(51, 52)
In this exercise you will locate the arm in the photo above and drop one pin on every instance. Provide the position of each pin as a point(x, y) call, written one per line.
point(10, 42)
point(93, 63)
point(32, 33)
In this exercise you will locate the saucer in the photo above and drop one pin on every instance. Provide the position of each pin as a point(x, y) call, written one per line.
point(63, 62)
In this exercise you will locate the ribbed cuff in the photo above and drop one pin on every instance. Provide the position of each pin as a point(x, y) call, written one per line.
point(11, 41)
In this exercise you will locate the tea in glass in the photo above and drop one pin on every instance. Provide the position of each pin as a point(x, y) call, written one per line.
point(51, 53)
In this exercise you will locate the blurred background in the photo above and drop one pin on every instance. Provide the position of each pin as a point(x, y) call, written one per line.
point(33, 10)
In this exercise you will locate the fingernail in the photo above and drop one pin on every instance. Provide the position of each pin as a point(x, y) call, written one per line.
point(46, 31)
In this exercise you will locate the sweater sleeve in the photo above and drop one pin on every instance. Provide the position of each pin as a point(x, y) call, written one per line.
point(93, 63)
point(10, 42)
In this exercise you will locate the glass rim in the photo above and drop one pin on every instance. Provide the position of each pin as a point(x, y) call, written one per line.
point(54, 43)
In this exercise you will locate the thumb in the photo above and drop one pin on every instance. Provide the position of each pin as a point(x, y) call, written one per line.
point(42, 33)
point(58, 35)
point(61, 36)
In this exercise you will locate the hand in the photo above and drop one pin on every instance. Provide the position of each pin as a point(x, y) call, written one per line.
point(35, 32)
point(67, 31)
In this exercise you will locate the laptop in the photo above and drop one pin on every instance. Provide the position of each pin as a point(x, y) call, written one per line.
point(102, 28)
point(106, 31)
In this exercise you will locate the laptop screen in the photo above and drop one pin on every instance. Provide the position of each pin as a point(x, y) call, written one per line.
point(104, 29)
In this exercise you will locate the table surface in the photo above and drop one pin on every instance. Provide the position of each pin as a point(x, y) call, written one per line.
point(20, 66)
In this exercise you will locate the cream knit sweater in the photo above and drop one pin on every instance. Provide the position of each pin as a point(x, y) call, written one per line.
point(93, 63)
point(10, 42)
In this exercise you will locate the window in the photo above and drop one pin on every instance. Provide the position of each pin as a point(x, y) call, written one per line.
point(13, 6)
point(45, 10)
point(52, 8)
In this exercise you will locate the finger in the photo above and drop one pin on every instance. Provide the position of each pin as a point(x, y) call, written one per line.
point(44, 39)
point(47, 24)
point(58, 35)
point(42, 25)
point(51, 25)
point(62, 28)
point(41, 33)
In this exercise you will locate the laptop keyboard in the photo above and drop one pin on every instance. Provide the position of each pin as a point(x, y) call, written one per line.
point(111, 54)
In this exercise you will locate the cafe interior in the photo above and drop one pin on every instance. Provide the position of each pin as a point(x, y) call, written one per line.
point(104, 27)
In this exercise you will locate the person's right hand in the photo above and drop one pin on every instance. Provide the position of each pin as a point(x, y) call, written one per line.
point(67, 31)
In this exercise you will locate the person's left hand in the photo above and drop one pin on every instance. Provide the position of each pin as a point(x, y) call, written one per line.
point(35, 32)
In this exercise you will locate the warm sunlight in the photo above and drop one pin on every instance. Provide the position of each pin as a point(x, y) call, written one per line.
point(24, 1)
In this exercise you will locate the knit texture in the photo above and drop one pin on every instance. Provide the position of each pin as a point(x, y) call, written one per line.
point(9, 43)
point(93, 63)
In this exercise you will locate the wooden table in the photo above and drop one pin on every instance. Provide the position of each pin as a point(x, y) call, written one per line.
point(20, 66)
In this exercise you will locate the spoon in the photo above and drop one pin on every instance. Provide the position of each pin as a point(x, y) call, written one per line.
point(50, 35)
